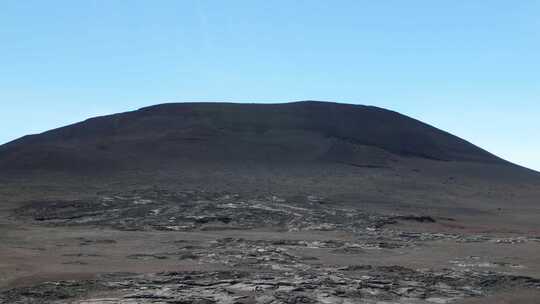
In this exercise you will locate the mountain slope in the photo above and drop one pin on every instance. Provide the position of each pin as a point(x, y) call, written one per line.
point(359, 156)
point(229, 133)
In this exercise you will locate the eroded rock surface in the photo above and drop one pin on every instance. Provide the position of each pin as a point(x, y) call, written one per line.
point(359, 284)
point(266, 270)
point(163, 210)
point(192, 210)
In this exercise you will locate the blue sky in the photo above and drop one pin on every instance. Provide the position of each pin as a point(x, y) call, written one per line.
point(468, 67)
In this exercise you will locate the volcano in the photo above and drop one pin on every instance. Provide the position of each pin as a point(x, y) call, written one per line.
point(357, 153)
point(304, 202)
point(226, 133)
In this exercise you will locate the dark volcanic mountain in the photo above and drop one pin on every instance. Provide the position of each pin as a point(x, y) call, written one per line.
point(349, 153)
point(306, 202)
point(224, 132)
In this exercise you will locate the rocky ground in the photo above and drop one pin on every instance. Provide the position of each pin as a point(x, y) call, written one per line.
point(199, 247)
point(359, 284)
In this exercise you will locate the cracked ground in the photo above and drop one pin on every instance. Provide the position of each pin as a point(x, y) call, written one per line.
point(159, 246)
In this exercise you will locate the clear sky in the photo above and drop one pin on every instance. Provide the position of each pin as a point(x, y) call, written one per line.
point(469, 67)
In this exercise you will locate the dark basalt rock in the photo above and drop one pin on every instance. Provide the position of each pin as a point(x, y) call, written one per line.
point(420, 219)
point(313, 285)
